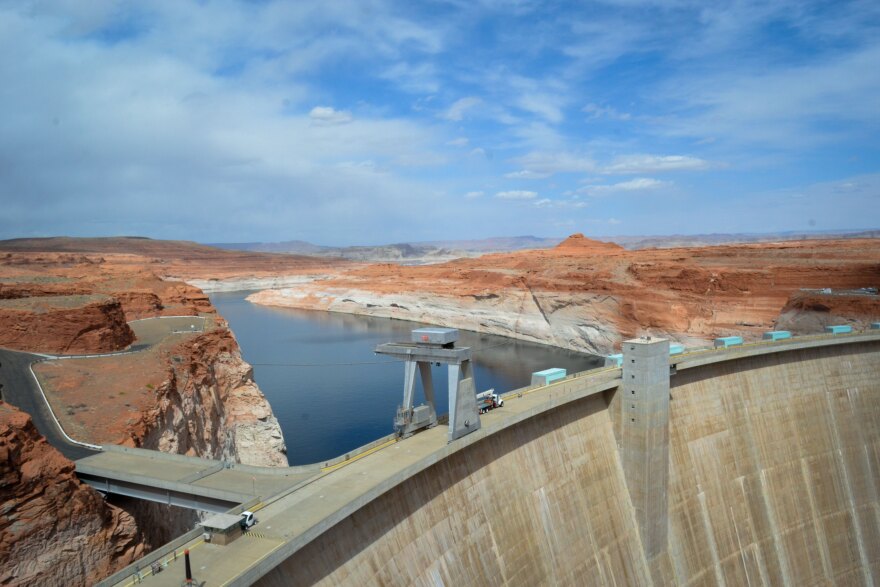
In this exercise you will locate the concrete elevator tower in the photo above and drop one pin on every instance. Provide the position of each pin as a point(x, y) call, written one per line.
point(435, 345)
point(642, 428)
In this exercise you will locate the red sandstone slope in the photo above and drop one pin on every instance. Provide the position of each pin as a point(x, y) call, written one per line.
point(170, 258)
point(54, 530)
point(63, 303)
point(589, 295)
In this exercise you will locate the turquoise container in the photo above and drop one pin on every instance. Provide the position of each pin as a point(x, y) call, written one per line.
point(839, 329)
point(728, 341)
point(548, 376)
point(675, 348)
point(777, 335)
point(614, 360)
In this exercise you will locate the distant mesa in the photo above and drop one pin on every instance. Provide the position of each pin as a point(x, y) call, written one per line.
point(579, 243)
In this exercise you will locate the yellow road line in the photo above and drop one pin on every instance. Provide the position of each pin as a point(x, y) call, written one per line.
point(359, 456)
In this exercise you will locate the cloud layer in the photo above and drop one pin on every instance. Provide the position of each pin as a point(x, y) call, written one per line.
point(364, 122)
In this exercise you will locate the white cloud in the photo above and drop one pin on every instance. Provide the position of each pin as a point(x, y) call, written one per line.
point(636, 164)
point(789, 106)
point(517, 195)
point(526, 174)
point(548, 163)
point(571, 203)
point(547, 106)
point(417, 79)
point(326, 115)
point(458, 142)
point(597, 111)
point(460, 107)
point(472, 195)
point(632, 185)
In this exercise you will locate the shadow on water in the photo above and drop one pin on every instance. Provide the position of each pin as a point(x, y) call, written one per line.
point(332, 393)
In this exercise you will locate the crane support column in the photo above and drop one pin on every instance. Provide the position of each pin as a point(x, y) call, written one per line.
point(435, 345)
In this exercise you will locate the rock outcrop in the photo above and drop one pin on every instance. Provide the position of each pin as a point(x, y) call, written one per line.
point(64, 324)
point(187, 393)
point(209, 406)
point(807, 312)
point(588, 296)
point(54, 530)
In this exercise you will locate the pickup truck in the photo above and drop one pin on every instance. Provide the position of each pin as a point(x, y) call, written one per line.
point(248, 519)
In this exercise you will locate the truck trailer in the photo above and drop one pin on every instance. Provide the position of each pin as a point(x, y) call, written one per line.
point(488, 400)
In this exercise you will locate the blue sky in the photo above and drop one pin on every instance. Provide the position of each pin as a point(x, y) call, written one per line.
point(366, 121)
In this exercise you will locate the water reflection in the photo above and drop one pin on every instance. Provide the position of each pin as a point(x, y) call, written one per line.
point(331, 393)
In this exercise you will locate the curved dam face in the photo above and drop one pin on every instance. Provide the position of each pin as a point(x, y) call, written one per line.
point(773, 479)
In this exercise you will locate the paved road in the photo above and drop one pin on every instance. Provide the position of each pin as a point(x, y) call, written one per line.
point(20, 390)
point(18, 387)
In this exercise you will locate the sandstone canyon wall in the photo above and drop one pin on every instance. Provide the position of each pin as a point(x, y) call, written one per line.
point(204, 403)
point(54, 530)
point(588, 296)
point(209, 406)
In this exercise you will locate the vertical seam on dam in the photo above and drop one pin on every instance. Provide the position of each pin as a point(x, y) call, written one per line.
point(816, 520)
point(860, 544)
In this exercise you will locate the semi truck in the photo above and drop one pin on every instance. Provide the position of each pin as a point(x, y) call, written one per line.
point(488, 400)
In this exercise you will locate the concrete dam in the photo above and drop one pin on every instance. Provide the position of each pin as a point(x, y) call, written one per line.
point(756, 465)
point(773, 479)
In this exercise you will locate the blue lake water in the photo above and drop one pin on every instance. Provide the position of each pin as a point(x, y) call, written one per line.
point(331, 393)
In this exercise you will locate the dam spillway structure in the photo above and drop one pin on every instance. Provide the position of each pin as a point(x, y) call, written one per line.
point(437, 346)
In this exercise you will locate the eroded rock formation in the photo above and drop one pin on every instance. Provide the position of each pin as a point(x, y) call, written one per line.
point(588, 296)
point(209, 406)
point(65, 325)
point(54, 530)
point(188, 393)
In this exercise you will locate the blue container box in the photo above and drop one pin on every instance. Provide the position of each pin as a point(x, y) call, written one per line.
point(875, 325)
point(614, 360)
point(547, 376)
point(728, 341)
point(839, 329)
point(777, 335)
point(675, 348)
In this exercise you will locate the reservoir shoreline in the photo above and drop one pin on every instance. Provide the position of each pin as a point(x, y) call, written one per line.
point(329, 391)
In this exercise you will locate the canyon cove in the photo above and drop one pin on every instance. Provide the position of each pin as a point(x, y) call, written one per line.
point(332, 394)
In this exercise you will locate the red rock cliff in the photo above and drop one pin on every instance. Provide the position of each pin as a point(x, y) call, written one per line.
point(54, 530)
point(64, 325)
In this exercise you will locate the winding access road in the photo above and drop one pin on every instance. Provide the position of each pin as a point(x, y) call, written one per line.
point(19, 388)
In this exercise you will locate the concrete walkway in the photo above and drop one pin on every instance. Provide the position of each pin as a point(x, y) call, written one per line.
point(160, 476)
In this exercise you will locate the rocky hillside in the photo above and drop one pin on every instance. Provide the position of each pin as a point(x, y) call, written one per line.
point(183, 391)
point(54, 530)
point(208, 405)
point(588, 295)
point(812, 311)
